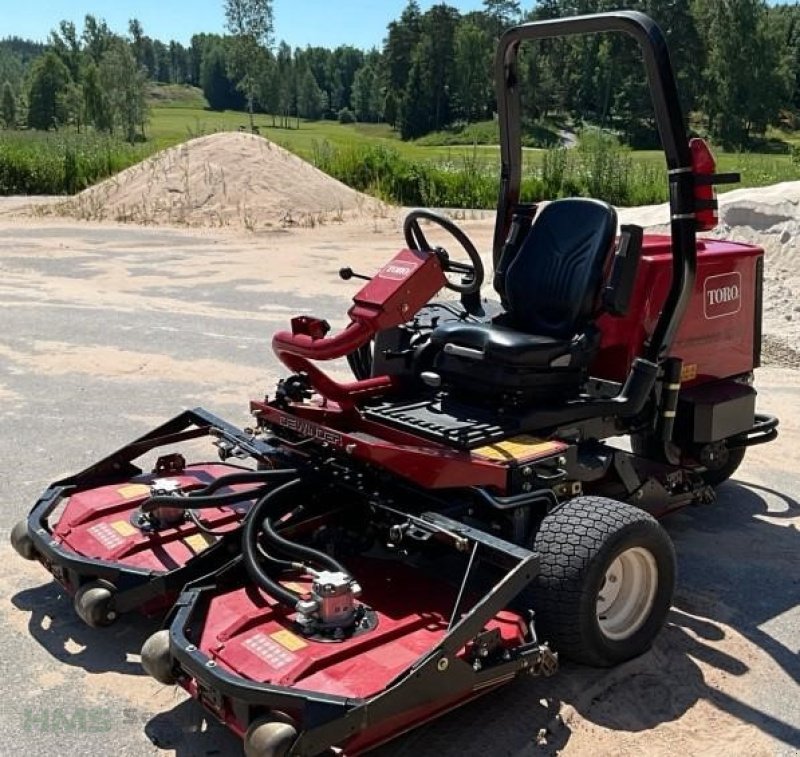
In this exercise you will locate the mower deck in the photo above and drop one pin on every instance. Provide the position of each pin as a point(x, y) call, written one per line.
point(86, 531)
point(434, 646)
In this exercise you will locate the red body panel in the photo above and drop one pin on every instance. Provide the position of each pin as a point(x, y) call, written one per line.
point(96, 523)
point(426, 463)
point(716, 337)
point(251, 636)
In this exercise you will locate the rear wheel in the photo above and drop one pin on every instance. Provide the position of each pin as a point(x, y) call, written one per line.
point(606, 578)
point(723, 465)
point(719, 460)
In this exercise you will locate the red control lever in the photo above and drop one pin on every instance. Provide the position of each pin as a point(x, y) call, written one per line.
point(393, 296)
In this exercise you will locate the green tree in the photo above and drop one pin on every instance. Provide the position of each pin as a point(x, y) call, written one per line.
point(501, 13)
point(286, 90)
point(401, 41)
point(473, 57)
point(96, 105)
point(310, 98)
point(71, 104)
point(250, 22)
point(419, 101)
point(124, 84)
point(8, 106)
point(218, 88)
point(97, 38)
point(49, 77)
point(367, 96)
point(67, 46)
point(741, 100)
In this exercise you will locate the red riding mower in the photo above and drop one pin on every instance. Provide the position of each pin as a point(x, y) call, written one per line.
point(455, 516)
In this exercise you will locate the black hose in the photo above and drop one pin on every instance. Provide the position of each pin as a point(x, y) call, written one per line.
point(250, 547)
point(200, 503)
point(299, 551)
point(202, 498)
point(243, 477)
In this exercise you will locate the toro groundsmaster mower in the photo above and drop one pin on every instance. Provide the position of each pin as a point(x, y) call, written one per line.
point(459, 513)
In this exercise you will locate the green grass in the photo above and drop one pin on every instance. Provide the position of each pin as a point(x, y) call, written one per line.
point(175, 96)
point(169, 126)
point(412, 172)
point(61, 163)
point(542, 135)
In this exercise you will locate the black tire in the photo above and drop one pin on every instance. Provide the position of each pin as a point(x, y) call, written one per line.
point(579, 542)
point(719, 475)
point(94, 604)
point(727, 465)
point(270, 737)
point(156, 658)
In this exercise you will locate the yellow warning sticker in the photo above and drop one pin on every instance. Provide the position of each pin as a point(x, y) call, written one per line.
point(129, 491)
point(288, 640)
point(689, 372)
point(519, 448)
point(123, 528)
point(198, 542)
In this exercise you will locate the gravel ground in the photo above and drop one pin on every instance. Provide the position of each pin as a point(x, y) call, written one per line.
point(108, 331)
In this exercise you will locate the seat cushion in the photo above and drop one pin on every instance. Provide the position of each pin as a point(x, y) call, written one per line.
point(498, 344)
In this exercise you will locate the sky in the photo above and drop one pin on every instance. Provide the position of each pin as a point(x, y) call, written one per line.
point(361, 23)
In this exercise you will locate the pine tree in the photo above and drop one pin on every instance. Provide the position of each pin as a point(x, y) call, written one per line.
point(49, 77)
point(8, 107)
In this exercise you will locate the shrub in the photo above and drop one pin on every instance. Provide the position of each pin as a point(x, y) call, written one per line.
point(346, 116)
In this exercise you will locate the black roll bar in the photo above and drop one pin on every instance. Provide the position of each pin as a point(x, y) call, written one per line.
point(670, 123)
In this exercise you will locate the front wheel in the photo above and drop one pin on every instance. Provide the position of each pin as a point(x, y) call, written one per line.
point(605, 582)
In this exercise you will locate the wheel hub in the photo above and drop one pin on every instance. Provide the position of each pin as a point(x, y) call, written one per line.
point(627, 592)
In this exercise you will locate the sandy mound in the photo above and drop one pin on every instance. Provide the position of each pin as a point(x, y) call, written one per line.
point(226, 179)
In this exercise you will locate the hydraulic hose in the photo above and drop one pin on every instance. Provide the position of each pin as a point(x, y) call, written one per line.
point(250, 553)
point(202, 498)
point(200, 503)
point(299, 551)
point(243, 477)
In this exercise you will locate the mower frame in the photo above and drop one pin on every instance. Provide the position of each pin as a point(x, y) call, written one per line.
point(134, 587)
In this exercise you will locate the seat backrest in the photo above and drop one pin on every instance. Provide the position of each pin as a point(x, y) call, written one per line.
point(553, 285)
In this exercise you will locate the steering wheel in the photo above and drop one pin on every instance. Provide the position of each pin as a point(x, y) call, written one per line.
point(416, 240)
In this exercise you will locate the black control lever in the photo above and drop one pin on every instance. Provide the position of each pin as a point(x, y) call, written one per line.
point(348, 273)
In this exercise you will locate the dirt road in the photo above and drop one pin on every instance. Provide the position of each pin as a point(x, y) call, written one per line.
point(108, 330)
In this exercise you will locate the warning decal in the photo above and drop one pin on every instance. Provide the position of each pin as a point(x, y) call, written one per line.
point(519, 448)
point(269, 651)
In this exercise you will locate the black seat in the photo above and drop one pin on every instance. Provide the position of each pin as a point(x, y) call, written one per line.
point(541, 346)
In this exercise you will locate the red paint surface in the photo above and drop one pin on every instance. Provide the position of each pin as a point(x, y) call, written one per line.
point(413, 608)
point(393, 296)
point(718, 341)
point(87, 524)
point(426, 463)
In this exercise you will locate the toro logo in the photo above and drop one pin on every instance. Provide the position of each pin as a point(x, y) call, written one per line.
point(722, 295)
point(398, 270)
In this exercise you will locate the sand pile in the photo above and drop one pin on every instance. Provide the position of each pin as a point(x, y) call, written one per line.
point(228, 179)
point(770, 218)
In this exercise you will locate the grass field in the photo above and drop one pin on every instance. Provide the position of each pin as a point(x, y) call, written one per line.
point(372, 158)
point(171, 125)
